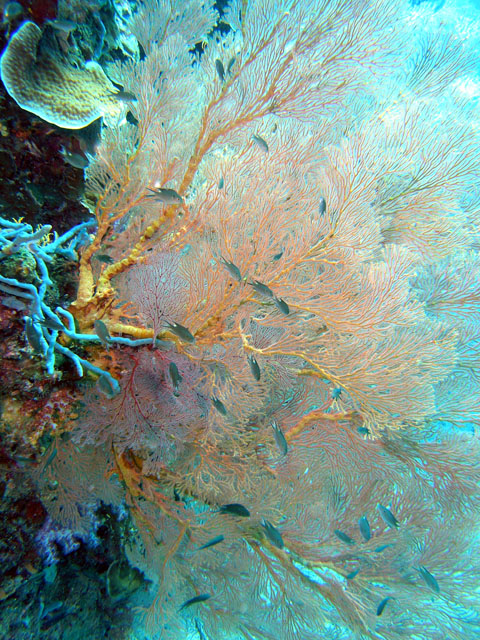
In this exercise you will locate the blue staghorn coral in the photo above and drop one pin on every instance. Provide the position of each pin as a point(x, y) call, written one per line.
point(43, 324)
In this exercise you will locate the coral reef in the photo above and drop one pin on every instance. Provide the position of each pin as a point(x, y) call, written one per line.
point(276, 329)
point(40, 82)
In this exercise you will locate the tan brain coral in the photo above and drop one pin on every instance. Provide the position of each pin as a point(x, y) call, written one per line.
point(43, 84)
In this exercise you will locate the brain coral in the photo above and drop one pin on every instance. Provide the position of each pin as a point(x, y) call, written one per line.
point(42, 83)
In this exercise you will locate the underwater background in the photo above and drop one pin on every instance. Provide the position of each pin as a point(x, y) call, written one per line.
point(240, 319)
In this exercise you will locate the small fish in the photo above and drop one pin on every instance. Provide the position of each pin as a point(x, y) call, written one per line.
point(322, 206)
point(260, 142)
point(212, 542)
point(181, 332)
point(364, 527)
point(261, 288)
point(50, 621)
point(280, 439)
point(76, 160)
point(13, 303)
point(232, 269)
point(351, 576)
point(105, 386)
point(230, 65)
point(166, 196)
point(387, 516)
point(235, 509)
point(220, 69)
point(336, 393)
point(363, 431)
point(175, 376)
point(89, 137)
point(63, 24)
point(53, 323)
point(125, 96)
point(221, 183)
point(382, 605)
point(201, 598)
point(46, 610)
point(51, 457)
point(130, 118)
point(12, 11)
point(277, 256)
point(273, 534)
point(343, 537)
point(102, 332)
point(104, 257)
point(429, 579)
point(382, 548)
point(219, 406)
point(34, 335)
point(281, 305)
point(22, 460)
point(254, 368)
